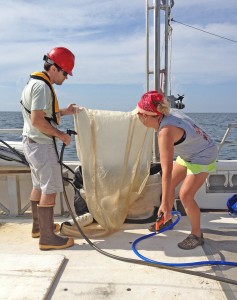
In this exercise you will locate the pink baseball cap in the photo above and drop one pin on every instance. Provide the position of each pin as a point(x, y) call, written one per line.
point(145, 105)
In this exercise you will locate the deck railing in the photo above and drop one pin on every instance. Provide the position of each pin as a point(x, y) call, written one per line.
point(16, 185)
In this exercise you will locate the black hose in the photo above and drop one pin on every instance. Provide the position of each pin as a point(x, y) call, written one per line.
point(17, 153)
point(130, 260)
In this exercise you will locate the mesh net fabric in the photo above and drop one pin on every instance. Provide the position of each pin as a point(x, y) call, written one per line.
point(115, 151)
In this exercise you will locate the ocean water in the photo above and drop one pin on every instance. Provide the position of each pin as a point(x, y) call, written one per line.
point(214, 124)
point(14, 120)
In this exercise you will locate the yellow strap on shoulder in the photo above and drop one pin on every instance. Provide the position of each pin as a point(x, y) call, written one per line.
point(56, 109)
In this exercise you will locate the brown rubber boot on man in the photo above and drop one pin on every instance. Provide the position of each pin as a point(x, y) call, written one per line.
point(48, 239)
point(35, 233)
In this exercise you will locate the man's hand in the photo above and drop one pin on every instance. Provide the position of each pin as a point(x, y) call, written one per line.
point(68, 111)
point(70, 108)
point(65, 138)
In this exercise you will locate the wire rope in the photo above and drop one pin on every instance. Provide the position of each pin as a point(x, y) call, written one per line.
point(207, 32)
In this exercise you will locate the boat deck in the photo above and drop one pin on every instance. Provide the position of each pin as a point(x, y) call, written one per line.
point(80, 272)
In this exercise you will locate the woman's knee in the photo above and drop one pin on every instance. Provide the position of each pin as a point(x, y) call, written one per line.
point(185, 197)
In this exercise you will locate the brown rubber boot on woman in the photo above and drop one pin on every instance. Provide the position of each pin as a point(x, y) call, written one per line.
point(35, 233)
point(48, 239)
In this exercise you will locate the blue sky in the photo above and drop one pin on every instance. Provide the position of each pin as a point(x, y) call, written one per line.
point(108, 40)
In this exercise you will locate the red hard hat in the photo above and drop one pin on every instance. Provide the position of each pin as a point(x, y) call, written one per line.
point(62, 57)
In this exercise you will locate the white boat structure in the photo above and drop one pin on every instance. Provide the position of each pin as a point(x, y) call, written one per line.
point(81, 272)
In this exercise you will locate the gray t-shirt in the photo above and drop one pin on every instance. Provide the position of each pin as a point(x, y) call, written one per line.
point(36, 96)
point(198, 147)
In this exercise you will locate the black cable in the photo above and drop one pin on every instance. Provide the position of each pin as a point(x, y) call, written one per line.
point(17, 153)
point(130, 260)
point(7, 158)
point(222, 37)
point(68, 168)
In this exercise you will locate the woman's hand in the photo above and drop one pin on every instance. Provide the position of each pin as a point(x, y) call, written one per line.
point(166, 211)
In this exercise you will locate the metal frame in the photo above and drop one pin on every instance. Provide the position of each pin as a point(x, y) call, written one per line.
point(156, 8)
point(223, 141)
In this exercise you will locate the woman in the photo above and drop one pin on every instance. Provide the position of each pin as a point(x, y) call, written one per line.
point(196, 156)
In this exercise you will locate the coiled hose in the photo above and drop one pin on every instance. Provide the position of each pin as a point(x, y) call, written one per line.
point(191, 264)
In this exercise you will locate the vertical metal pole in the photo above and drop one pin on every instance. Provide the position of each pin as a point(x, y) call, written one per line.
point(147, 47)
point(167, 7)
point(157, 6)
point(156, 67)
point(157, 45)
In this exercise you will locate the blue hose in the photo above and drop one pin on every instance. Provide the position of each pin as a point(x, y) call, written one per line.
point(197, 263)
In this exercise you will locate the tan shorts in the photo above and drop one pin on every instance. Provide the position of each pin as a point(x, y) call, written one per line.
point(45, 168)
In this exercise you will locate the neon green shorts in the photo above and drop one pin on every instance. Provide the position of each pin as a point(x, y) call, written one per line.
point(195, 168)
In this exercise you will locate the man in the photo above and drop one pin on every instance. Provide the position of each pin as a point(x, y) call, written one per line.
point(41, 116)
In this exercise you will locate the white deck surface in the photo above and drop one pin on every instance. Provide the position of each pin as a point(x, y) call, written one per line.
point(28, 276)
point(87, 274)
